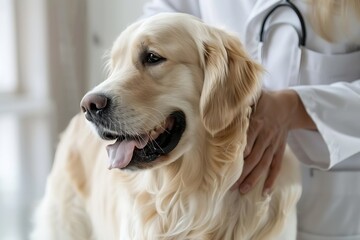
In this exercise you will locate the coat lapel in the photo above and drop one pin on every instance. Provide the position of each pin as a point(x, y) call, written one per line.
point(254, 22)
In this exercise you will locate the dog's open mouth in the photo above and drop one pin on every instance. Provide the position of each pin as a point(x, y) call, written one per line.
point(145, 148)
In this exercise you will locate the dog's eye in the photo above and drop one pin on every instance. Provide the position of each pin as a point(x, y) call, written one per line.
point(152, 58)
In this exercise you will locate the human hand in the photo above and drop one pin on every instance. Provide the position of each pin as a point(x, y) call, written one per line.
point(266, 139)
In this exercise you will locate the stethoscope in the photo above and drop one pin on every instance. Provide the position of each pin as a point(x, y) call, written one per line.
point(286, 3)
point(292, 76)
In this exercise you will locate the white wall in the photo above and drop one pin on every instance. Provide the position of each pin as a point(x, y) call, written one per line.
point(106, 20)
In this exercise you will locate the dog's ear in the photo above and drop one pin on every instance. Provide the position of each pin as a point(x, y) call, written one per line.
point(231, 80)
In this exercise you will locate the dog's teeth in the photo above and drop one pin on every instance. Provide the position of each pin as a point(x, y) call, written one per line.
point(169, 124)
point(163, 124)
point(160, 128)
point(154, 135)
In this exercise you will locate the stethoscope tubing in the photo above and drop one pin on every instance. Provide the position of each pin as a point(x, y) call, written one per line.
point(287, 3)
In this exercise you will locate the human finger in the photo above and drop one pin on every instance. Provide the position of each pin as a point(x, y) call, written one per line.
point(252, 133)
point(260, 145)
point(252, 160)
point(274, 170)
point(262, 167)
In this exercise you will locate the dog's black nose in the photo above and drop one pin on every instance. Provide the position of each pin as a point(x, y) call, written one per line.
point(93, 104)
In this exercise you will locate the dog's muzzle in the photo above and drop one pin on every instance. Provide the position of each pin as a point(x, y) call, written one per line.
point(131, 150)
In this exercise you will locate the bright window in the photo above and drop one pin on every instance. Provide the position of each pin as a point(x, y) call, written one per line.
point(26, 117)
point(9, 178)
point(8, 78)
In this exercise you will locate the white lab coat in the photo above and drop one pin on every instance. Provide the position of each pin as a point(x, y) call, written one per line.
point(326, 77)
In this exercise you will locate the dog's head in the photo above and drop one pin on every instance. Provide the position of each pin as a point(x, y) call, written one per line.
point(172, 80)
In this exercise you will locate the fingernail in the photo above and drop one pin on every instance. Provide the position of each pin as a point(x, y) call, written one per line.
point(266, 192)
point(244, 188)
point(246, 152)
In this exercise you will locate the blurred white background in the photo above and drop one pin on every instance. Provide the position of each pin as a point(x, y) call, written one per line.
point(51, 53)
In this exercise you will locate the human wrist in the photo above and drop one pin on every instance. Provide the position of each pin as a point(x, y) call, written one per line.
point(300, 119)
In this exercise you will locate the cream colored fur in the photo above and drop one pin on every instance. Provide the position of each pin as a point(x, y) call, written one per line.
point(184, 194)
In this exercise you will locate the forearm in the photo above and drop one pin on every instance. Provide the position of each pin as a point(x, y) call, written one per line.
point(290, 110)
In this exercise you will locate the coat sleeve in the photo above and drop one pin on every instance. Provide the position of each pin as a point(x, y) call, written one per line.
point(335, 109)
point(183, 6)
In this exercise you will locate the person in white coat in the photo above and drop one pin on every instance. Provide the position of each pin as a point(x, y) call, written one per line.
point(311, 100)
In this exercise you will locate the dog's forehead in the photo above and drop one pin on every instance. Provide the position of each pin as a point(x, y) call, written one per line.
point(172, 20)
point(169, 25)
point(162, 23)
point(166, 33)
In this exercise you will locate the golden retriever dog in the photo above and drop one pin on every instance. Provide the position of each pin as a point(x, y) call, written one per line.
point(170, 123)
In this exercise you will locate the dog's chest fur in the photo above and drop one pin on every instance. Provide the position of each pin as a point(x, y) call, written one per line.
point(157, 205)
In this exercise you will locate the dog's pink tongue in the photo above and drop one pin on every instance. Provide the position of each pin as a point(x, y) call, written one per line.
point(121, 152)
